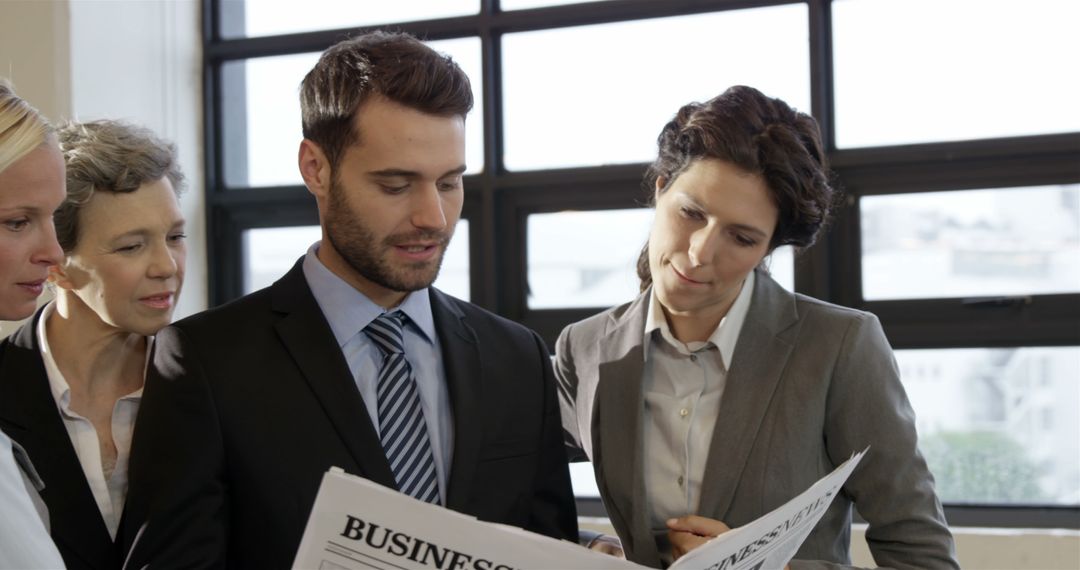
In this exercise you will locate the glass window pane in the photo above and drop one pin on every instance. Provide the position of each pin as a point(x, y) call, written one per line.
point(261, 114)
point(910, 71)
point(998, 425)
point(583, 480)
point(781, 266)
point(600, 94)
point(454, 274)
point(270, 252)
point(585, 259)
point(272, 17)
point(971, 243)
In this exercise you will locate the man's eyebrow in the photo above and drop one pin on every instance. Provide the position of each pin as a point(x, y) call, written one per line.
point(454, 171)
point(403, 173)
point(394, 172)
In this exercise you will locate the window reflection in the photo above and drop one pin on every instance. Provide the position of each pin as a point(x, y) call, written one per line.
point(585, 259)
point(998, 425)
point(599, 94)
point(273, 17)
point(1016, 241)
point(913, 71)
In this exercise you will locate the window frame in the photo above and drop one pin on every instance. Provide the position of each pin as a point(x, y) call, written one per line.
point(498, 201)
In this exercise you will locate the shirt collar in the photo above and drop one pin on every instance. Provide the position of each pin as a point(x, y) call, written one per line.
point(61, 390)
point(349, 311)
point(723, 338)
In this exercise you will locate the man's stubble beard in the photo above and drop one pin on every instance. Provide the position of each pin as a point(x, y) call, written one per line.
point(360, 248)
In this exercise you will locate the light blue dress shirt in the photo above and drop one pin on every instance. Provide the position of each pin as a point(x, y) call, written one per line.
point(349, 311)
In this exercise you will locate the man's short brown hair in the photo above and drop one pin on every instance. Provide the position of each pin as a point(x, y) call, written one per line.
point(396, 66)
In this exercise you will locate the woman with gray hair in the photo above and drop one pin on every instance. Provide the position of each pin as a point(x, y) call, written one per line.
point(77, 370)
point(31, 187)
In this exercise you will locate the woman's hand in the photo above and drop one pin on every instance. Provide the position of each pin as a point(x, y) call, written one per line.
point(689, 532)
point(607, 544)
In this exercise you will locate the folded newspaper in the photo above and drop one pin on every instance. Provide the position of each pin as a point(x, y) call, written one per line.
point(357, 524)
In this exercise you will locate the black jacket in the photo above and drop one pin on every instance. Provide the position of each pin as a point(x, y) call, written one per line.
point(246, 407)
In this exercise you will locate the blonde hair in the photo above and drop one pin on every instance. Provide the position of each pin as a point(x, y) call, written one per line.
point(22, 127)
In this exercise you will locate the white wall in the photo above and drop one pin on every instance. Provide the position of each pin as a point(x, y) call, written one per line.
point(125, 59)
point(35, 53)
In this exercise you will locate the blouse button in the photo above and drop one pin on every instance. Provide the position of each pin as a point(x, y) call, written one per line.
point(684, 412)
point(693, 358)
point(680, 480)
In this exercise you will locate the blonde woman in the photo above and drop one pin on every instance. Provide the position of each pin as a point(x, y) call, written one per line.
point(31, 187)
point(74, 375)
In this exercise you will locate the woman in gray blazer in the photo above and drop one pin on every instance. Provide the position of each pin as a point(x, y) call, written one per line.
point(716, 396)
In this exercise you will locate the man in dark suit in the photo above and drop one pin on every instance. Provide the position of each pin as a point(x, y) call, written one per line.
point(350, 359)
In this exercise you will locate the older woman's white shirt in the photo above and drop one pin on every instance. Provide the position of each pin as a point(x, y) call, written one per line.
point(109, 492)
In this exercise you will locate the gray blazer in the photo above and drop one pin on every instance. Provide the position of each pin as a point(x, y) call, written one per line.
point(809, 384)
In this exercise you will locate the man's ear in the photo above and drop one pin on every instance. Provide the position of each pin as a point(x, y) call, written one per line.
point(314, 168)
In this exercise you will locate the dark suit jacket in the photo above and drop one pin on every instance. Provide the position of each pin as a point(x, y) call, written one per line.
point(810, 383)
point(28, 414)
point(246, 407)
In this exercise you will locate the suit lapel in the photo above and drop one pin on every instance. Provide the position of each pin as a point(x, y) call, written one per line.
point(308, 338)
point(461, 362)
point(617, 419)
point(759, 359)
point(28, 414)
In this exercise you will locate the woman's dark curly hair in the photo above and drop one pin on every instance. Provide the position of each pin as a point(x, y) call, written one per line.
point(760, 135)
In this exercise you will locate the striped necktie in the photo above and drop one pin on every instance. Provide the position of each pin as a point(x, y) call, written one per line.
point(402, 428)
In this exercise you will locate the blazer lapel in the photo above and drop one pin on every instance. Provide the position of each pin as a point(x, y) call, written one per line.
point(617, 419)
point(28, 414)
point(465, 384)
point(760, 355)
point(308, 338)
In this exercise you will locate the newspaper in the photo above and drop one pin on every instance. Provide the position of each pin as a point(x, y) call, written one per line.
point(771, 541)
point(359, 525)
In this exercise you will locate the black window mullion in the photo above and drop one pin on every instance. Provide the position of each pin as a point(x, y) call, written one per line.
point(1042, 320)
point(821, 69)
point(485, 252)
